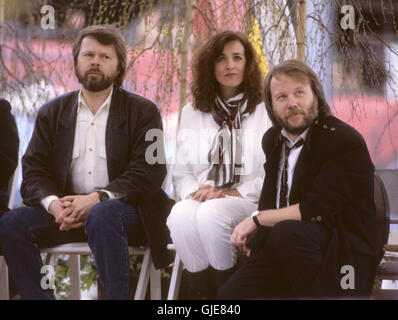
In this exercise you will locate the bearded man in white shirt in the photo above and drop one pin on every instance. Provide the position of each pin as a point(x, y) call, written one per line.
point(85, 176)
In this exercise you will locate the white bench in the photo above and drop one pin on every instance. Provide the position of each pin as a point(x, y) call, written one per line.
point(147, 272)
point(75, 250)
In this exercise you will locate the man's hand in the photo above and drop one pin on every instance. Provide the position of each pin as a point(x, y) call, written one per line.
point(60, 210)
point(55, 209)
point(243, 233)
point(66, 211)
point(207, 192)
point(79, 206)
point(67, 226)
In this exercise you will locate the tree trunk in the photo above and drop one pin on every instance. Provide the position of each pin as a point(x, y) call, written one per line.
point(1, 21)
point(184, 50)
point(301, 28)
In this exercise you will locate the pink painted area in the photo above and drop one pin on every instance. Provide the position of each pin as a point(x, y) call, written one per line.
point(373, 117)
point(46, 59)
point(219, 16)
point(377, 120)
point(53, 61)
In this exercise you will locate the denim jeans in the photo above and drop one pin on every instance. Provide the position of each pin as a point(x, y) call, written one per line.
point(111, 226)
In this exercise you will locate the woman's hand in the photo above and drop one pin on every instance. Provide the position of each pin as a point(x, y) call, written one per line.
point(207, 192)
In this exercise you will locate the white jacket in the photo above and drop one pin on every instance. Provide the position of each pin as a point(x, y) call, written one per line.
point(194, 138)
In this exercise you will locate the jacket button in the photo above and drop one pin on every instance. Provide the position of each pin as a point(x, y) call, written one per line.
point(319, 218)
point(312, 219)
point(325, 126)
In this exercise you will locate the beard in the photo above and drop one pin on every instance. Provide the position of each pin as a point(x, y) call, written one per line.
point(308, 119)
point(95, 82)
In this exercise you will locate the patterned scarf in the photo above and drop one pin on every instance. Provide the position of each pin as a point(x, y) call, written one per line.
point(225, 155)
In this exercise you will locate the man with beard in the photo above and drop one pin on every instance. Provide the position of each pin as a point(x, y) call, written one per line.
point(85, 176)
point(314, 232)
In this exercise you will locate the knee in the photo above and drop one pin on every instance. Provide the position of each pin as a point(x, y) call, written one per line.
point(209, 213)
point(101, 213)
point(180, 216)
point(9, 225)
point(6, 224)
point(213, 225)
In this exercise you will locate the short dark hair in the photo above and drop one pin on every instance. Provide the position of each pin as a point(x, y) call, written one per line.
point(106, 35)
point(295, 68)
point(205, 87)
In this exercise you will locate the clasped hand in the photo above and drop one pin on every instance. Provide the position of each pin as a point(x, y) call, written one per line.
point(207, 192)
point(70, 212)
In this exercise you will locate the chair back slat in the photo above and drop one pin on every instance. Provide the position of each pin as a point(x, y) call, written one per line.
point(382, 214)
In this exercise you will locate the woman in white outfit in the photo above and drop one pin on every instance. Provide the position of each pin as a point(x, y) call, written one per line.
point(219, 171)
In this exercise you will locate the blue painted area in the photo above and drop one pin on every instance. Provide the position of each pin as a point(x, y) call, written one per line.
point(25, 126)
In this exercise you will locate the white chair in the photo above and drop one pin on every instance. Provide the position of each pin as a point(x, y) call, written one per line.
point(12, 189)
point(147, 272)
point(75, 250)
point(176, 275)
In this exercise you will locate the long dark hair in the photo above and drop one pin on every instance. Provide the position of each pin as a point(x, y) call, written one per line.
point(205, 87)
point(295, 68)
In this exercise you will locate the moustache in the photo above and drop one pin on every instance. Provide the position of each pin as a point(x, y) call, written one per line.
point(294, 113)
point(94, 71)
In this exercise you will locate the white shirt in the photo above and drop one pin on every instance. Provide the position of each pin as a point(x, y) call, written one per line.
point(293, 157)
point(194, 139)
point(88, 169)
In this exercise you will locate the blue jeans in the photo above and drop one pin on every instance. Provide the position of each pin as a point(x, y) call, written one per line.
point(111, 226)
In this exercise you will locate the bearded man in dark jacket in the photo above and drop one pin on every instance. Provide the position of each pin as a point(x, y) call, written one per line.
point(86, 176)
point(314, 232)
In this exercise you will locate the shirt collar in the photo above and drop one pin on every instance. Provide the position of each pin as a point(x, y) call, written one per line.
point(301, 136)
point(82, 104)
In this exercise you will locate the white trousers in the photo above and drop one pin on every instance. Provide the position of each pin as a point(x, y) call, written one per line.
point(201, 231)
